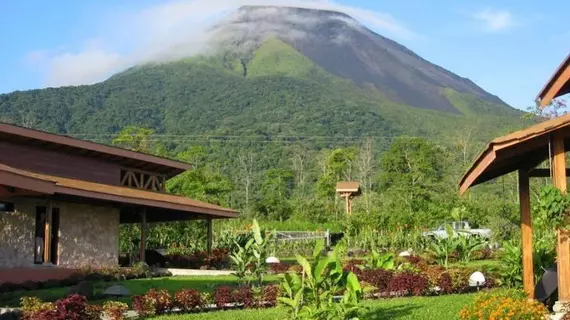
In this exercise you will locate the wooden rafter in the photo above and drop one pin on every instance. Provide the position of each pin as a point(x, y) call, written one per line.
point(143, 180)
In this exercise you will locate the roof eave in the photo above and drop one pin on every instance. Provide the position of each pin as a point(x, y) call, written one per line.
point(176, 167)
point(482, 162)
point(551, 89)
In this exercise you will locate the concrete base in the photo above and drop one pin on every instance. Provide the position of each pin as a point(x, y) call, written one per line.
point(197, 272)
point(559, 310)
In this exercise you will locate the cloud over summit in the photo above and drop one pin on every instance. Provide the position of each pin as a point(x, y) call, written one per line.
point(171, 30)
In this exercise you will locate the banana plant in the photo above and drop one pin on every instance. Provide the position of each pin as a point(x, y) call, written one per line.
point(249, 259)
point(467, 245)
point(442, 248)
point(312, 294)
point(260, 249)
point(379, 261)
point(241, 259)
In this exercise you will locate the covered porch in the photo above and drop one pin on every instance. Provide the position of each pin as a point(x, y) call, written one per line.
point(522, 152)
point(90, 207)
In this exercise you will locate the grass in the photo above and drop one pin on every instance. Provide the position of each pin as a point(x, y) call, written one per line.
point(484, 264)
point(424, 308)
point(138, 286)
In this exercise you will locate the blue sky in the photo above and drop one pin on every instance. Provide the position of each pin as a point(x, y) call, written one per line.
point(509, 48)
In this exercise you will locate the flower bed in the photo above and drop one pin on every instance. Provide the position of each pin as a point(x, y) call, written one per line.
point(217, 260)
point(504, 305)
point(154, 302)
point(418, 278)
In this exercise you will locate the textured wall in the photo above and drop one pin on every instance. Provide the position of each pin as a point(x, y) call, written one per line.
point(88, 236)
point(17, 236)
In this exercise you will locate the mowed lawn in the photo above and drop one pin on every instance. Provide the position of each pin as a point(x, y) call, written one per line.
point(412, 308)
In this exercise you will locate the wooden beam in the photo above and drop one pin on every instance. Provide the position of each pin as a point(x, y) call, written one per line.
point(149, 182)
point(125, 178)
point(563, 240)
point(210, 235)
point(526, 231)
point(543, 173)
point(143, 235)
point(556, 84)
point(47, 232)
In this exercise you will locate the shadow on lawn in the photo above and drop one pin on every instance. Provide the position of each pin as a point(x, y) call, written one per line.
point(391, 312)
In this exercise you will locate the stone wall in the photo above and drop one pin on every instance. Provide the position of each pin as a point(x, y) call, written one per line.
point(88, 235)
point(17, 236)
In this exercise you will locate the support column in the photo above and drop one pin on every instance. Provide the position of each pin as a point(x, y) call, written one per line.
point(526, 231)
point(47, 233)
point(210, 235)
point(347, 205)
point(143, 235)
point(563, 240)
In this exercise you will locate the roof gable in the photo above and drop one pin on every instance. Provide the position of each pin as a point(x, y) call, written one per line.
point(132, 159)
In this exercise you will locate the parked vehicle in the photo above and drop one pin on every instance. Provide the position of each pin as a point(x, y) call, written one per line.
point(459, 228)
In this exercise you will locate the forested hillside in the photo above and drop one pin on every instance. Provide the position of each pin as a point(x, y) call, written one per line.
point(272, 134)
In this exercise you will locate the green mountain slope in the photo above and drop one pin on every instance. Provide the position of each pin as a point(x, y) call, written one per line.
point(277, 93)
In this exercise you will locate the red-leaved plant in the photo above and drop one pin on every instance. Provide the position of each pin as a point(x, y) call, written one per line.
point(378, 278)
point(279, 267)
point(412, 283)
point(188, 300)
point(223, 295)
point(115, 310)
point(143, 306)
point(270, 294)
point(244, 295)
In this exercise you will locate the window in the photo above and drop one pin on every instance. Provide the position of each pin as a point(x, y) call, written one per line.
point(6, 206)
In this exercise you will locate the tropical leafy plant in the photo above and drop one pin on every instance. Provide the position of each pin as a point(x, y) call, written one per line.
point(511, 265)
point(467, 245)
point(379, 261)
point(442, 248)
point(249, 260)
point(555, 206)
point(313, 295)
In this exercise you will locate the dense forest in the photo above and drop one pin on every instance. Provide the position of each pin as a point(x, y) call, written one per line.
point(273, 141)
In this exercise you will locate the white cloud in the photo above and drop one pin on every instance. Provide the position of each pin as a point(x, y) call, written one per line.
point(169, 30)
point(495, 20)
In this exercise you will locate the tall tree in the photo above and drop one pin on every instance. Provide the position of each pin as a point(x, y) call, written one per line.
point(365, 170)
point(135, 138)
point(247, 165)
point(414, 168)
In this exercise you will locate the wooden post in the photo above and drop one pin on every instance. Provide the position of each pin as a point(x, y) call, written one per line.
point(563, 240)
point(346, 195)
point(47, 233)
point(210, 235)
point(143, 235)
point(526, 231)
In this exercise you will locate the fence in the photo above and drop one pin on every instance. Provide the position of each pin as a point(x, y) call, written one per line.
point(304, 235)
